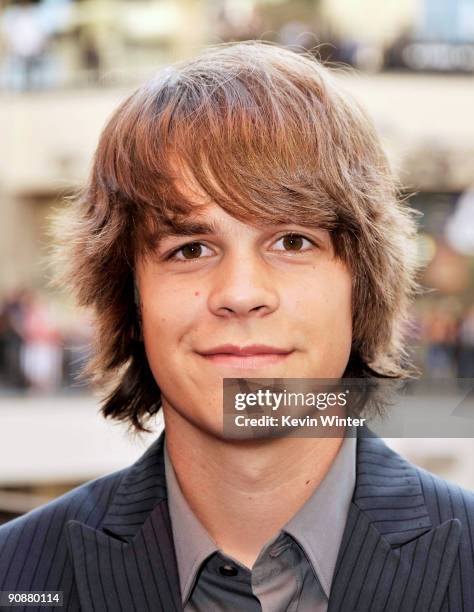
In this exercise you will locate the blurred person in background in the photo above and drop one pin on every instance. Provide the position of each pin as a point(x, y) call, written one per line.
point(90, 56)
point(466, 344)
point(25, 39)
point(42, 348)
point(11, 341)
point(439, 332)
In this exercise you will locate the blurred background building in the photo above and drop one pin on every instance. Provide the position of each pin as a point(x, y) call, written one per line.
point(64, 67)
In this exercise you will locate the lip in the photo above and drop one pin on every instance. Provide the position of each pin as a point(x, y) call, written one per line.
point(248, 357)
point(245, 351)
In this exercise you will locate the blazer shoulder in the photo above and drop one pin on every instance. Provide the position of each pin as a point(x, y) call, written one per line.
point(87, 502)
point(40, 533)
point(446, 500)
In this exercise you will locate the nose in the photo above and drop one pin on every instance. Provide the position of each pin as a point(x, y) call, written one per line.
point(242, 287)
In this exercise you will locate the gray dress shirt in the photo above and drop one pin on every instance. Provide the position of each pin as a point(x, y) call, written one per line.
point(294, 569)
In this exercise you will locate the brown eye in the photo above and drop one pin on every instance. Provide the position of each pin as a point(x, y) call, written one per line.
point(293, 242)
point(192, 250)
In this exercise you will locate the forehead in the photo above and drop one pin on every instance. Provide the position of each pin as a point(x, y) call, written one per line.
point(217, 219)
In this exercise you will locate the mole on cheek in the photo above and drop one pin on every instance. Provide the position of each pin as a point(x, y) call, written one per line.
point(196, 293)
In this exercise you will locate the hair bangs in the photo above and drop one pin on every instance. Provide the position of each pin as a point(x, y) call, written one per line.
point(257, 152)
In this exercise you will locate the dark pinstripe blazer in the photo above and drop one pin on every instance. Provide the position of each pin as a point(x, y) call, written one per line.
point(407, 546)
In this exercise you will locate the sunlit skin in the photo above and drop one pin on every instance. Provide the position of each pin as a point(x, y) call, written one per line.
point(242, 285)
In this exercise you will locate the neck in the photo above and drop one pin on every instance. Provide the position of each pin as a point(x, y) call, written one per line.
point(244, 492)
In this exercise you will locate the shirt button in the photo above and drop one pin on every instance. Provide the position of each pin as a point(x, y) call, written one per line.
point(228, 570)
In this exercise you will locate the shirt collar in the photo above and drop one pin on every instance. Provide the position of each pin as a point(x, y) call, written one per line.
point(317, 527)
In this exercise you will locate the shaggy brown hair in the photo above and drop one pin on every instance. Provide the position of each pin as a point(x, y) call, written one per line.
point(269, 136)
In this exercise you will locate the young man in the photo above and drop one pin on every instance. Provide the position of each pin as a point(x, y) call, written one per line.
point(241, 221)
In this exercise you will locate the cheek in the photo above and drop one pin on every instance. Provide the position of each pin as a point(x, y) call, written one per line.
point(339, 315)
point(168, 314)
point(326, 301)
point(339, 302)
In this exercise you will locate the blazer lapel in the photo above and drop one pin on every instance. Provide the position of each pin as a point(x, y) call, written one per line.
point(130, 563)
point(391, 558)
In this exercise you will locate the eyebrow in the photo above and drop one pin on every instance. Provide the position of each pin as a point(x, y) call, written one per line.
point(177, 229)
point(189, 227)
